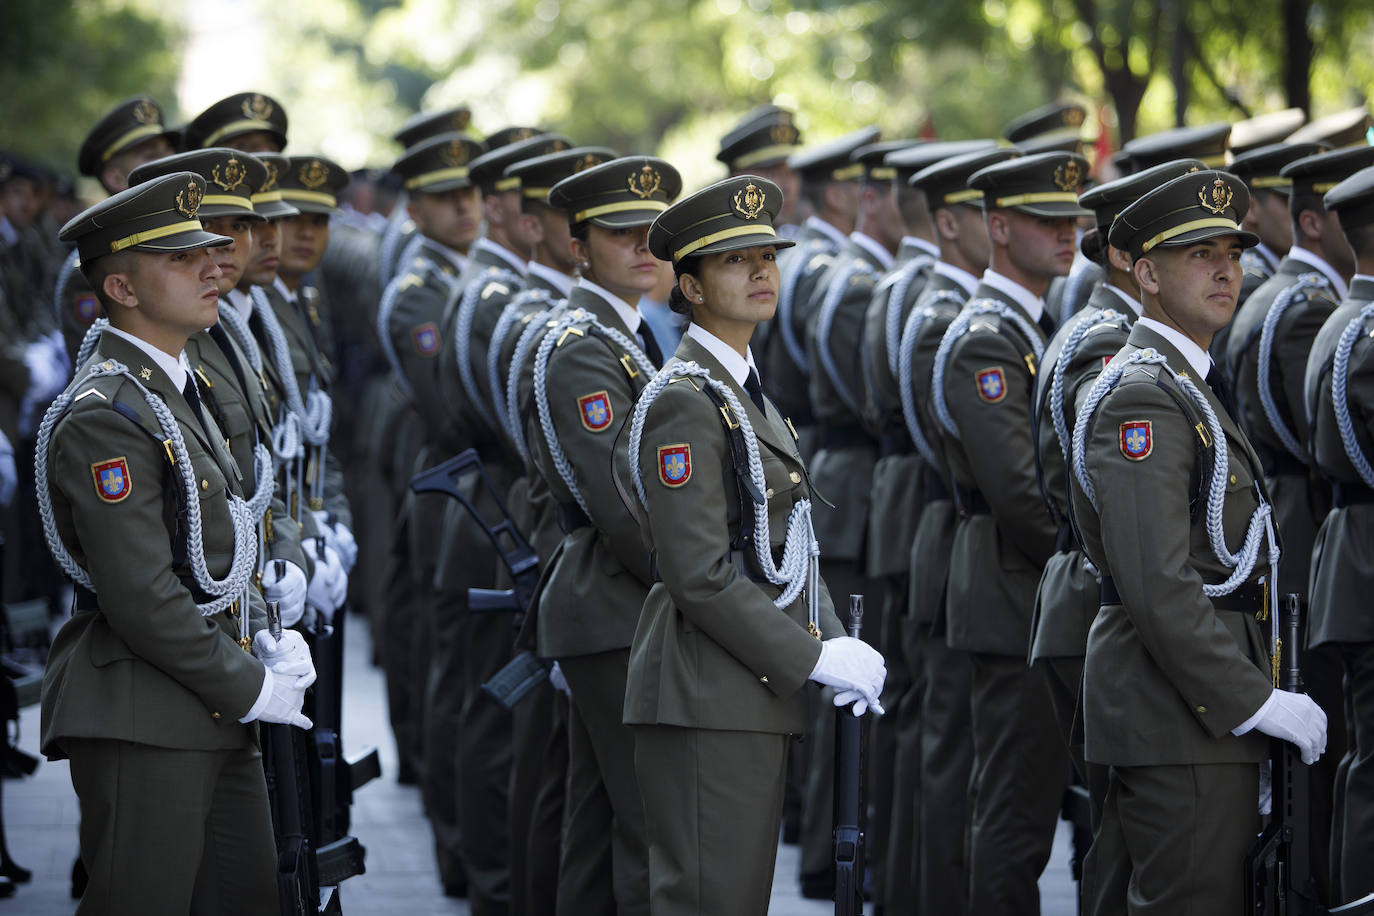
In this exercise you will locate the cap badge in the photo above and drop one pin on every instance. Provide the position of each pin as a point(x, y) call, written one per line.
point(1068, 176)
point(1073, 117)
point(257, 108)
point(231, 177)
point(453, 153)
point(145, 112)
point(188, 201)
point(644, 183)
point(749, 202)
point(271, 181)
point(586, 162)
point(783, 134)
point(461, 119)
point(557, 146)
point(314, 174)
point(1217, 198)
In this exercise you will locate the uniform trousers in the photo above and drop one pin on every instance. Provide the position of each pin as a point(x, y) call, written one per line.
point(1173, 840)
point(539, 726)
point(1356, 839)
point(712, 808)
point(946, 766)
point(166, 830)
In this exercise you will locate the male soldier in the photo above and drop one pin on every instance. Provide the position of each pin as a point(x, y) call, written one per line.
point(1067, 599)
point(1177, 698)
point(400, 229)
point(759, 144)
point(149, 685)
point(938, 746)
point(981, 387)
point(1341, 579)
point(830, 182)
point(1268, 217)
point(446, 209)
point(842, 468)
point(247, 121)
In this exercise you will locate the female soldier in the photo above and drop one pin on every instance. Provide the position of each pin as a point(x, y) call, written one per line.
point(726, 639)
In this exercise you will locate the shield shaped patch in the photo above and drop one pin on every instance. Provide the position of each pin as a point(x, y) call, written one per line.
point(595, 410)
point(86, 309)
point(674, 464)
point(992, 385)
point(112, 480)
point(426, 339)
point(1136, 440)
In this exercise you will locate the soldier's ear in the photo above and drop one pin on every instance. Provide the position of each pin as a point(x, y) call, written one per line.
point(119, 289)
point(1119, 259)
point(691, 288)
point(578, 247)
point(999, 228)
point(1310, 224)
point(1147, 275)
point(946, 224)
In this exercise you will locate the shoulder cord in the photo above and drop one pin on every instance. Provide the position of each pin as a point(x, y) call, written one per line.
point(1261, 521)
point(237, 325)
point(226, 591)
point(1340, 396)
point(892, 318)
point(541, 390)
point(301, 422)
point(1263, 365)
point(384, 310)
point(954, 332)
point(801, 552)
point(526, 298)
point(393, 255)
point(64, 278)
point(462, 334)
point(906, 381)
point(826, 318)
point(1082, 324)
point(786, 295)
point(89, 340)
point(537, 326)
point(1071, 285)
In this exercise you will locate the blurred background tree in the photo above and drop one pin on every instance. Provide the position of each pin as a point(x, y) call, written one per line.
point(670, 77)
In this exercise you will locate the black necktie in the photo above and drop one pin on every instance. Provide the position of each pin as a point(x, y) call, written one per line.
point(651, 350)
point(755, 390)
point(192, 396)
point(1216, 380)
point(1046, 323)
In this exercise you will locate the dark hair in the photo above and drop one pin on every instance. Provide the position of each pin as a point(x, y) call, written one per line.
point(1361, 239)
point(579, 229)
point(677, 300)
point(95, 271)
point(1300, 202)
point(1094, 246)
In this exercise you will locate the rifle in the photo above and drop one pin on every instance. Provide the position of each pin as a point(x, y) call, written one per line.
point(1278, 871)
point(849, 802)
point(526, 671)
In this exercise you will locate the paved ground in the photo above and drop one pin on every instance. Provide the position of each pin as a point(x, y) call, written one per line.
point(40, 815)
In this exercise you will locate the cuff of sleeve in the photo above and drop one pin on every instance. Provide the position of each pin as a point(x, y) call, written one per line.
point(1260, 713)
point(264, 695)
point(820, 661)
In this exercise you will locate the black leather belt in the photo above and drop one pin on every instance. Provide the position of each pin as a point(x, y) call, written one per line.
point(1246, 598)
point(843, 435)
point(571, 517)
point(1351, 494)
point(898, 443)
point(971, 502)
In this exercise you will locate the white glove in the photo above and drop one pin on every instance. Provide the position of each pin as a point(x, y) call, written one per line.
point(851, 665)
point(1296, 718)
point(558, 681)
point(9, 473)
point(346, 546)
point(288, 656)
point(846, 697)
point(46, 361)
point(286, 587)
point(325, 528)
point(284, 702)
point(329, 585)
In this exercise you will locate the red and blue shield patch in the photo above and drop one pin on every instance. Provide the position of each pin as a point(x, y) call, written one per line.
point(992, 384)
point(112, 481)
point(674, 464)
point(1136, 440)
point(425, 337)
point(86, 308)
point(595, 410)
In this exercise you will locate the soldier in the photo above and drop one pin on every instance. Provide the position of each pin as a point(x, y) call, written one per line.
point(831, 183)
point(726, 640)
point(1177, 695)
point(760, 144)
point(247, 121)
point(163, 617)
point(1268, 218)
point(1338, 130)
point(1338, 397)
point(1264, 130)
point(1067, 600)
point(938, 746)
point(400, 233)
point(981, 386)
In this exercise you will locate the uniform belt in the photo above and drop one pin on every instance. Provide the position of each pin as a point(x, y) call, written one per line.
point(895, 443)
point(842, 435)
point(1246, 598)
point(1351, 494)
point(971, 502)
point(571, 517)
point(1064, 538)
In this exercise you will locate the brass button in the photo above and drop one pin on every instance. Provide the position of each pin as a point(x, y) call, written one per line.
point(764, 679)
point(795, 477)
point(204, 484)
point(214, 715)
point(1233, 478)
point(768, 493)
point(1202, 710)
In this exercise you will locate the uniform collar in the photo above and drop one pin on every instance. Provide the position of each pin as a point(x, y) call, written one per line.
point(967, 281)
point(628, 313)
point(456, 259)
point(242, 302)
point(555, 278)
point(1135, 304)
point(917, 245)
point(738, 366)
point(817, 224)
point(1266, 254)
point(1033, 304)
point(497, 250)
point(1315, 260)
point(869, 244)
point(1197, 357)
point(280, 286)
point(174, 367)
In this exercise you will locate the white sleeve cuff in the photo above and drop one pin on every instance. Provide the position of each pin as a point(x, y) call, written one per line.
point(264, 695)
point(1260, 713)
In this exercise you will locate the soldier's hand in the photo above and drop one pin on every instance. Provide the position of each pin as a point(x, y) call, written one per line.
point(337, 536)
point(850, 664)
point(860, 704)
point(284, 583)
point(1296, 718)
point(285, 697)
point(288, 656)
point(329, 585)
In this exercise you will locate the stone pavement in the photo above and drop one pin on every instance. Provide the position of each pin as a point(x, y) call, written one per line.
point(40, 815)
